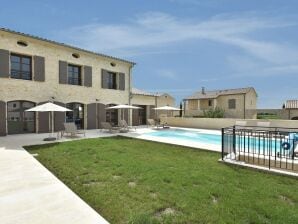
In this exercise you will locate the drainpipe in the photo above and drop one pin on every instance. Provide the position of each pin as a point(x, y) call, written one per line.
point(129, 94)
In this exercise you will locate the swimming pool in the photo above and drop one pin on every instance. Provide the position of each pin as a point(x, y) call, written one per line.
point(213, 140)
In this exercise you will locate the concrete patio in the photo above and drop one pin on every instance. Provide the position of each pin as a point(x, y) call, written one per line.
point(29, 193)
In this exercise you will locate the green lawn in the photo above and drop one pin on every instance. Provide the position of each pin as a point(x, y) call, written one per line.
point(134, 181)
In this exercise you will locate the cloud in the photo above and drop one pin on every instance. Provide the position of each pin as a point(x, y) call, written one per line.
point(154, 29)
point(166, 73)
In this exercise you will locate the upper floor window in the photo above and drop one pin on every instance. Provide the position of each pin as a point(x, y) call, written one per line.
point(21, 67)
point(112, 80)
point(74, 75)
point(232, 104)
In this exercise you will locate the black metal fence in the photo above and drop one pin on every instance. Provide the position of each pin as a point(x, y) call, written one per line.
point(262, 146)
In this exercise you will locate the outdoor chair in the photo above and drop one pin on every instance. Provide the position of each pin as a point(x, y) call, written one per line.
point(152, 123)
point(107, 126)
point(124, 127)
point(71, 129)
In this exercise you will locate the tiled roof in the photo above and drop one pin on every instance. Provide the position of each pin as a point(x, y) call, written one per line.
point(291, 104)
point(216, 93)
point(136, 91)
point(65, 45)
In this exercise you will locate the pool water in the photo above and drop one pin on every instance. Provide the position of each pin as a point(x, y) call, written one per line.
point(179, 134)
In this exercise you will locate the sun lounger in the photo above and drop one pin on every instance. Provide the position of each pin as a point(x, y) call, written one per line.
point(152, 123)
point(107, 126)
point(124, 127)
point(71, 129)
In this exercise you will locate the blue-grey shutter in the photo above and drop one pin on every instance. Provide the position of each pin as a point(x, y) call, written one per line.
point(39, 69)
point(91, 116)
point(101, 113)
point(121, 81)
point(43, 121)
point(63, 72)
point(4, 63)
point(88, 76)
point(59, 118)
point(104, 79)
point(3, 130)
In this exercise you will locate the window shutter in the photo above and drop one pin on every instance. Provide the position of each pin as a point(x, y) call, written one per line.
point(59, 118)
point(4, 63)
point(62, 72)
point(101, 113)
point(39, 69)
point(91, 116)
point(43, 121)
point(104, 79)
point(121, 81)
point(88, 76)
point(2, 118)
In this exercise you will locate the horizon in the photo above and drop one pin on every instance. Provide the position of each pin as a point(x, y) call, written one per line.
point(179, 46)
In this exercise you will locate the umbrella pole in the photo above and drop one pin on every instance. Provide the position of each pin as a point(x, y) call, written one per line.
point(52, 123)
point(49, 124)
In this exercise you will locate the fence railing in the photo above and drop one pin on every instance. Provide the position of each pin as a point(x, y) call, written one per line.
point(272, 147)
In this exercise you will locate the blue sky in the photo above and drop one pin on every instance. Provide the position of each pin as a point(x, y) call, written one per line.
point(179, 45)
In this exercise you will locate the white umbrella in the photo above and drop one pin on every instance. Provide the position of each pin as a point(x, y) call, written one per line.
point(123, 106)
point(167, 108)
point(49, 107)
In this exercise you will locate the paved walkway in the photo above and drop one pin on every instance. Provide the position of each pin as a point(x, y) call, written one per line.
point(30, 194)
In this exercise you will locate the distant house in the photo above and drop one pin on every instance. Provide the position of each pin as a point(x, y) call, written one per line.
point(148, 101)
point(290, 110)
point(237, 103)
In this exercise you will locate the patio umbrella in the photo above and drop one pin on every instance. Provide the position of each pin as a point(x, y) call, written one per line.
point(167, 108)
point(123, 106)
point(49, 107)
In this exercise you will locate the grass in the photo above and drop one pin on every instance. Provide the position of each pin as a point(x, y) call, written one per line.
point(135, 181)
point(267, 116)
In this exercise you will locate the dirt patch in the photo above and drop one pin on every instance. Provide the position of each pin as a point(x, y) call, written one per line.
point(153, 195)
point(214, 199)
point(165, 212)
point(132, 184)
point(92, 183)
point(116, 177)
point(286, 199)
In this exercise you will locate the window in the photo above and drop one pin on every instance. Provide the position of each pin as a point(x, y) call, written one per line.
point(74, 75)
point(21, 67)
point(209, 103)
point(232, 103)
point(112, 80)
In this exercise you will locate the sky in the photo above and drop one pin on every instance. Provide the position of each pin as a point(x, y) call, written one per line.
point(179, 45)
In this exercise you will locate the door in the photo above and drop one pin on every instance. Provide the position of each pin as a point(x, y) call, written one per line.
point(76, 115)
point(18, 120)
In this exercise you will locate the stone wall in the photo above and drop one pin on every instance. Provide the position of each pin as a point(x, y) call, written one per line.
point(218, 123)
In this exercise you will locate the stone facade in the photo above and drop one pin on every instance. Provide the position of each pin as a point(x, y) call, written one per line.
point(35, 91)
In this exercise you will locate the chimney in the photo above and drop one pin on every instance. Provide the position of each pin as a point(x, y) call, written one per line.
point(203, 90)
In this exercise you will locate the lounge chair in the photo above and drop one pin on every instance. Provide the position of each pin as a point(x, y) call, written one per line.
point(71, 129)
point(108, 126)
point(152, 123)
point(125, 127)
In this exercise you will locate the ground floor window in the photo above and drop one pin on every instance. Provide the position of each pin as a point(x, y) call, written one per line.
point(112, 115)
point(76, 115)
point(18, 120)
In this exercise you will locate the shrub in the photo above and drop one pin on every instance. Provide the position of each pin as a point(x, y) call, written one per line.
point(214, 113)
